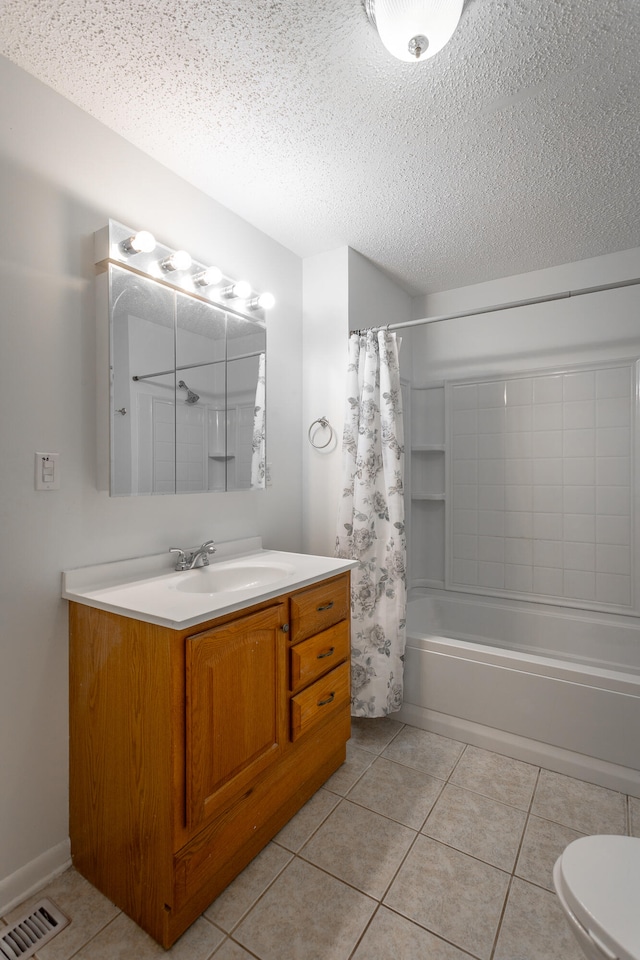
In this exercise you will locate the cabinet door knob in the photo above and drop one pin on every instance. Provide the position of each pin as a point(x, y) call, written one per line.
point(332, 696)
point(327, 606)
point(285, 628)
point(327, 653)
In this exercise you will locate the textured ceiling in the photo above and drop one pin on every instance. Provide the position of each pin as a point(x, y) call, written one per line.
point(515, 148)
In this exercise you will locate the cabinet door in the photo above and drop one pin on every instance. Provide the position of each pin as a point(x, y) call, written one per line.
point(236, 708)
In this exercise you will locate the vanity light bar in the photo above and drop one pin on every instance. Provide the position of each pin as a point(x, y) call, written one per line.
point(139, 251)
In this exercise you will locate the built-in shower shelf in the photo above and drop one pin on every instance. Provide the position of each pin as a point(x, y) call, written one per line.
point(222, 456)
point(428, 496)
point(428, 448)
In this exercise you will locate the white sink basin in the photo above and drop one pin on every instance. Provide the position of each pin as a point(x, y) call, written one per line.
point(240, 574)
point(227, 577)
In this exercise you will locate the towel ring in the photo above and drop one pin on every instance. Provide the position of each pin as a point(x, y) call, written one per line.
point(325, 425)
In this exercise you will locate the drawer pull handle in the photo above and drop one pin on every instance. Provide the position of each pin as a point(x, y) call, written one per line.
point(330, 698)
point(328, 653)
point(327, 606)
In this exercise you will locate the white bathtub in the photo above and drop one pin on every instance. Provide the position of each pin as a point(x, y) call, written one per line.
point(554, 687)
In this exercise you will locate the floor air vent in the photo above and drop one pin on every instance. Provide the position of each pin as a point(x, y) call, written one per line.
point(31, 931)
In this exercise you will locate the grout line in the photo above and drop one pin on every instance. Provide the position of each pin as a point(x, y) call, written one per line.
point(362, 935)
point(515, 866)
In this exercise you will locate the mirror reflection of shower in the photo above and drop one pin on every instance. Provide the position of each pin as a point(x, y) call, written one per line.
point(191, 396)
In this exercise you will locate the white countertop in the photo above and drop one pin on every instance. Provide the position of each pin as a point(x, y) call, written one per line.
point(149, 589)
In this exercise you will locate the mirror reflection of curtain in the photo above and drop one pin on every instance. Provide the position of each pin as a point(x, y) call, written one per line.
point(371, 523)
point(258, 451)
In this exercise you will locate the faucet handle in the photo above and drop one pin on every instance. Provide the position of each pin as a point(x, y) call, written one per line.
point(207, 547)
point(181, 562)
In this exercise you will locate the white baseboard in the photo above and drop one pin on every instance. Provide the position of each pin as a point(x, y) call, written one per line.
point(33, 876)
point(610, 775)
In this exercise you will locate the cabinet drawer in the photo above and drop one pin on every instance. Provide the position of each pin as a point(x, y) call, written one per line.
point(317, 655)
point(320, 700)
point(319, 607)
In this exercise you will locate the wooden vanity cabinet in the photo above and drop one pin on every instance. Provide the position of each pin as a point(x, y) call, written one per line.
point(190, 749)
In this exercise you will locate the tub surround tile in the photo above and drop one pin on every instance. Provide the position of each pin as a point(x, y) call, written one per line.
point(398, 792)
point(451, 894)
point(241, 894)
point(634, 817)
point(550, 467)
point(497, 777)
point(581, 806)
point(390, 935)
point(534, 927)
point(374, 733)
point(483, 828)
point(315, 811)
point(316, 916)
point(358, 760)
point(360, 847)
point(425, 751)
point(543, 843)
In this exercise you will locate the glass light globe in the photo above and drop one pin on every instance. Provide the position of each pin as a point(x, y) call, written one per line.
point(416, 29)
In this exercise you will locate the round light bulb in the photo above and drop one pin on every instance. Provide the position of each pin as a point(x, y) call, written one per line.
point(209, 276)
point(140, 242)
point(179, 260)
point(266, 301)
point(241, 289)
point(143, 242)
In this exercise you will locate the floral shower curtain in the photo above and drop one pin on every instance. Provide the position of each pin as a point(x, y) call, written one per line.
point(371, 523)
point(258, 455)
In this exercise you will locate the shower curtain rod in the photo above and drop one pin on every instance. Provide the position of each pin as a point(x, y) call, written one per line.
point(564, 295)
point(192, 366)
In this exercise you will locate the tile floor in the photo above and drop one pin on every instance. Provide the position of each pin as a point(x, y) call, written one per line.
point(418, 848)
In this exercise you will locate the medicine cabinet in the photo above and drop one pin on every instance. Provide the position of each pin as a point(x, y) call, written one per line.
point(187, 382)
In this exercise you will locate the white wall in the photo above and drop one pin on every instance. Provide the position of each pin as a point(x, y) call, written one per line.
point(62, 175)
point(600, 325)
point(343, 291)
point(326, 329)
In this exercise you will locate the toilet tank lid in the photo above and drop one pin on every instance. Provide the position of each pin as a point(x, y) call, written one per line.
point(601, 883)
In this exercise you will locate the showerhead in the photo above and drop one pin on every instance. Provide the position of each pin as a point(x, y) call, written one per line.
point(191, 396)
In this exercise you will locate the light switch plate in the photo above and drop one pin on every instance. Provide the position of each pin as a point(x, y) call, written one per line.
point(47, 471)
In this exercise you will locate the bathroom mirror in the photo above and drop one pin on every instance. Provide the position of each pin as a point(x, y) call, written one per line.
point(187, 391)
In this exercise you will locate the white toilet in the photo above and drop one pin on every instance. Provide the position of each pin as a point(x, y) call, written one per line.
point(597, 880)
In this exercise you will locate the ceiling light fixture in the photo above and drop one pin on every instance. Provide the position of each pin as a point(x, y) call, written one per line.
point(140, 242)
point(414, 29)
point(180, 260)
point(208, 277)
point(240, 289)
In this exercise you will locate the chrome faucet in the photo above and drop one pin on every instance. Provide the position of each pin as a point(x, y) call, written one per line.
point(199, 558)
